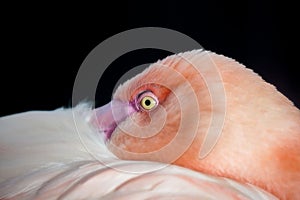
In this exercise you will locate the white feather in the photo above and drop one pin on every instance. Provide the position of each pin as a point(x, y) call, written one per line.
point(58, 155)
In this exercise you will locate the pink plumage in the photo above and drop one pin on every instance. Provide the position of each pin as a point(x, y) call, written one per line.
point(62, 154)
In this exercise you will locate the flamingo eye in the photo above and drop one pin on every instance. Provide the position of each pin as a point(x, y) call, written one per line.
point(147, 101)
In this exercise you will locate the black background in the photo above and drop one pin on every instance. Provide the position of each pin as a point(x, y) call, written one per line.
point(43, 45)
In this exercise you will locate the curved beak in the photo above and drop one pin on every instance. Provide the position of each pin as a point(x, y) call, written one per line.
point(110, 115)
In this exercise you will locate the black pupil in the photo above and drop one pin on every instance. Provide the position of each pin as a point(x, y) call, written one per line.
point(147, 102)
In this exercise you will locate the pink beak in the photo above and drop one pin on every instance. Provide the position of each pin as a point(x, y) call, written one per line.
point(110, 115)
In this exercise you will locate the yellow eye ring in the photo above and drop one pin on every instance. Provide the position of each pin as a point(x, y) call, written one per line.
point(148, 103)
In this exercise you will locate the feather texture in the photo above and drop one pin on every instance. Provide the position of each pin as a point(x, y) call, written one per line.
point(58, 155)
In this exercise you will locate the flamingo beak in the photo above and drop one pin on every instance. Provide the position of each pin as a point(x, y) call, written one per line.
point(108, 117)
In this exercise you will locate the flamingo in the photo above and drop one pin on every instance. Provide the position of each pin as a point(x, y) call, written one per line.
point(148, 142)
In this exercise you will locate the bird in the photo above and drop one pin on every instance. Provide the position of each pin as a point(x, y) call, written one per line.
point(148, 142)
point(255, 135)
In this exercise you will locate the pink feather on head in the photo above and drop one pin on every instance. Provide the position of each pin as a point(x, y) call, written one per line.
point(260, 139)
